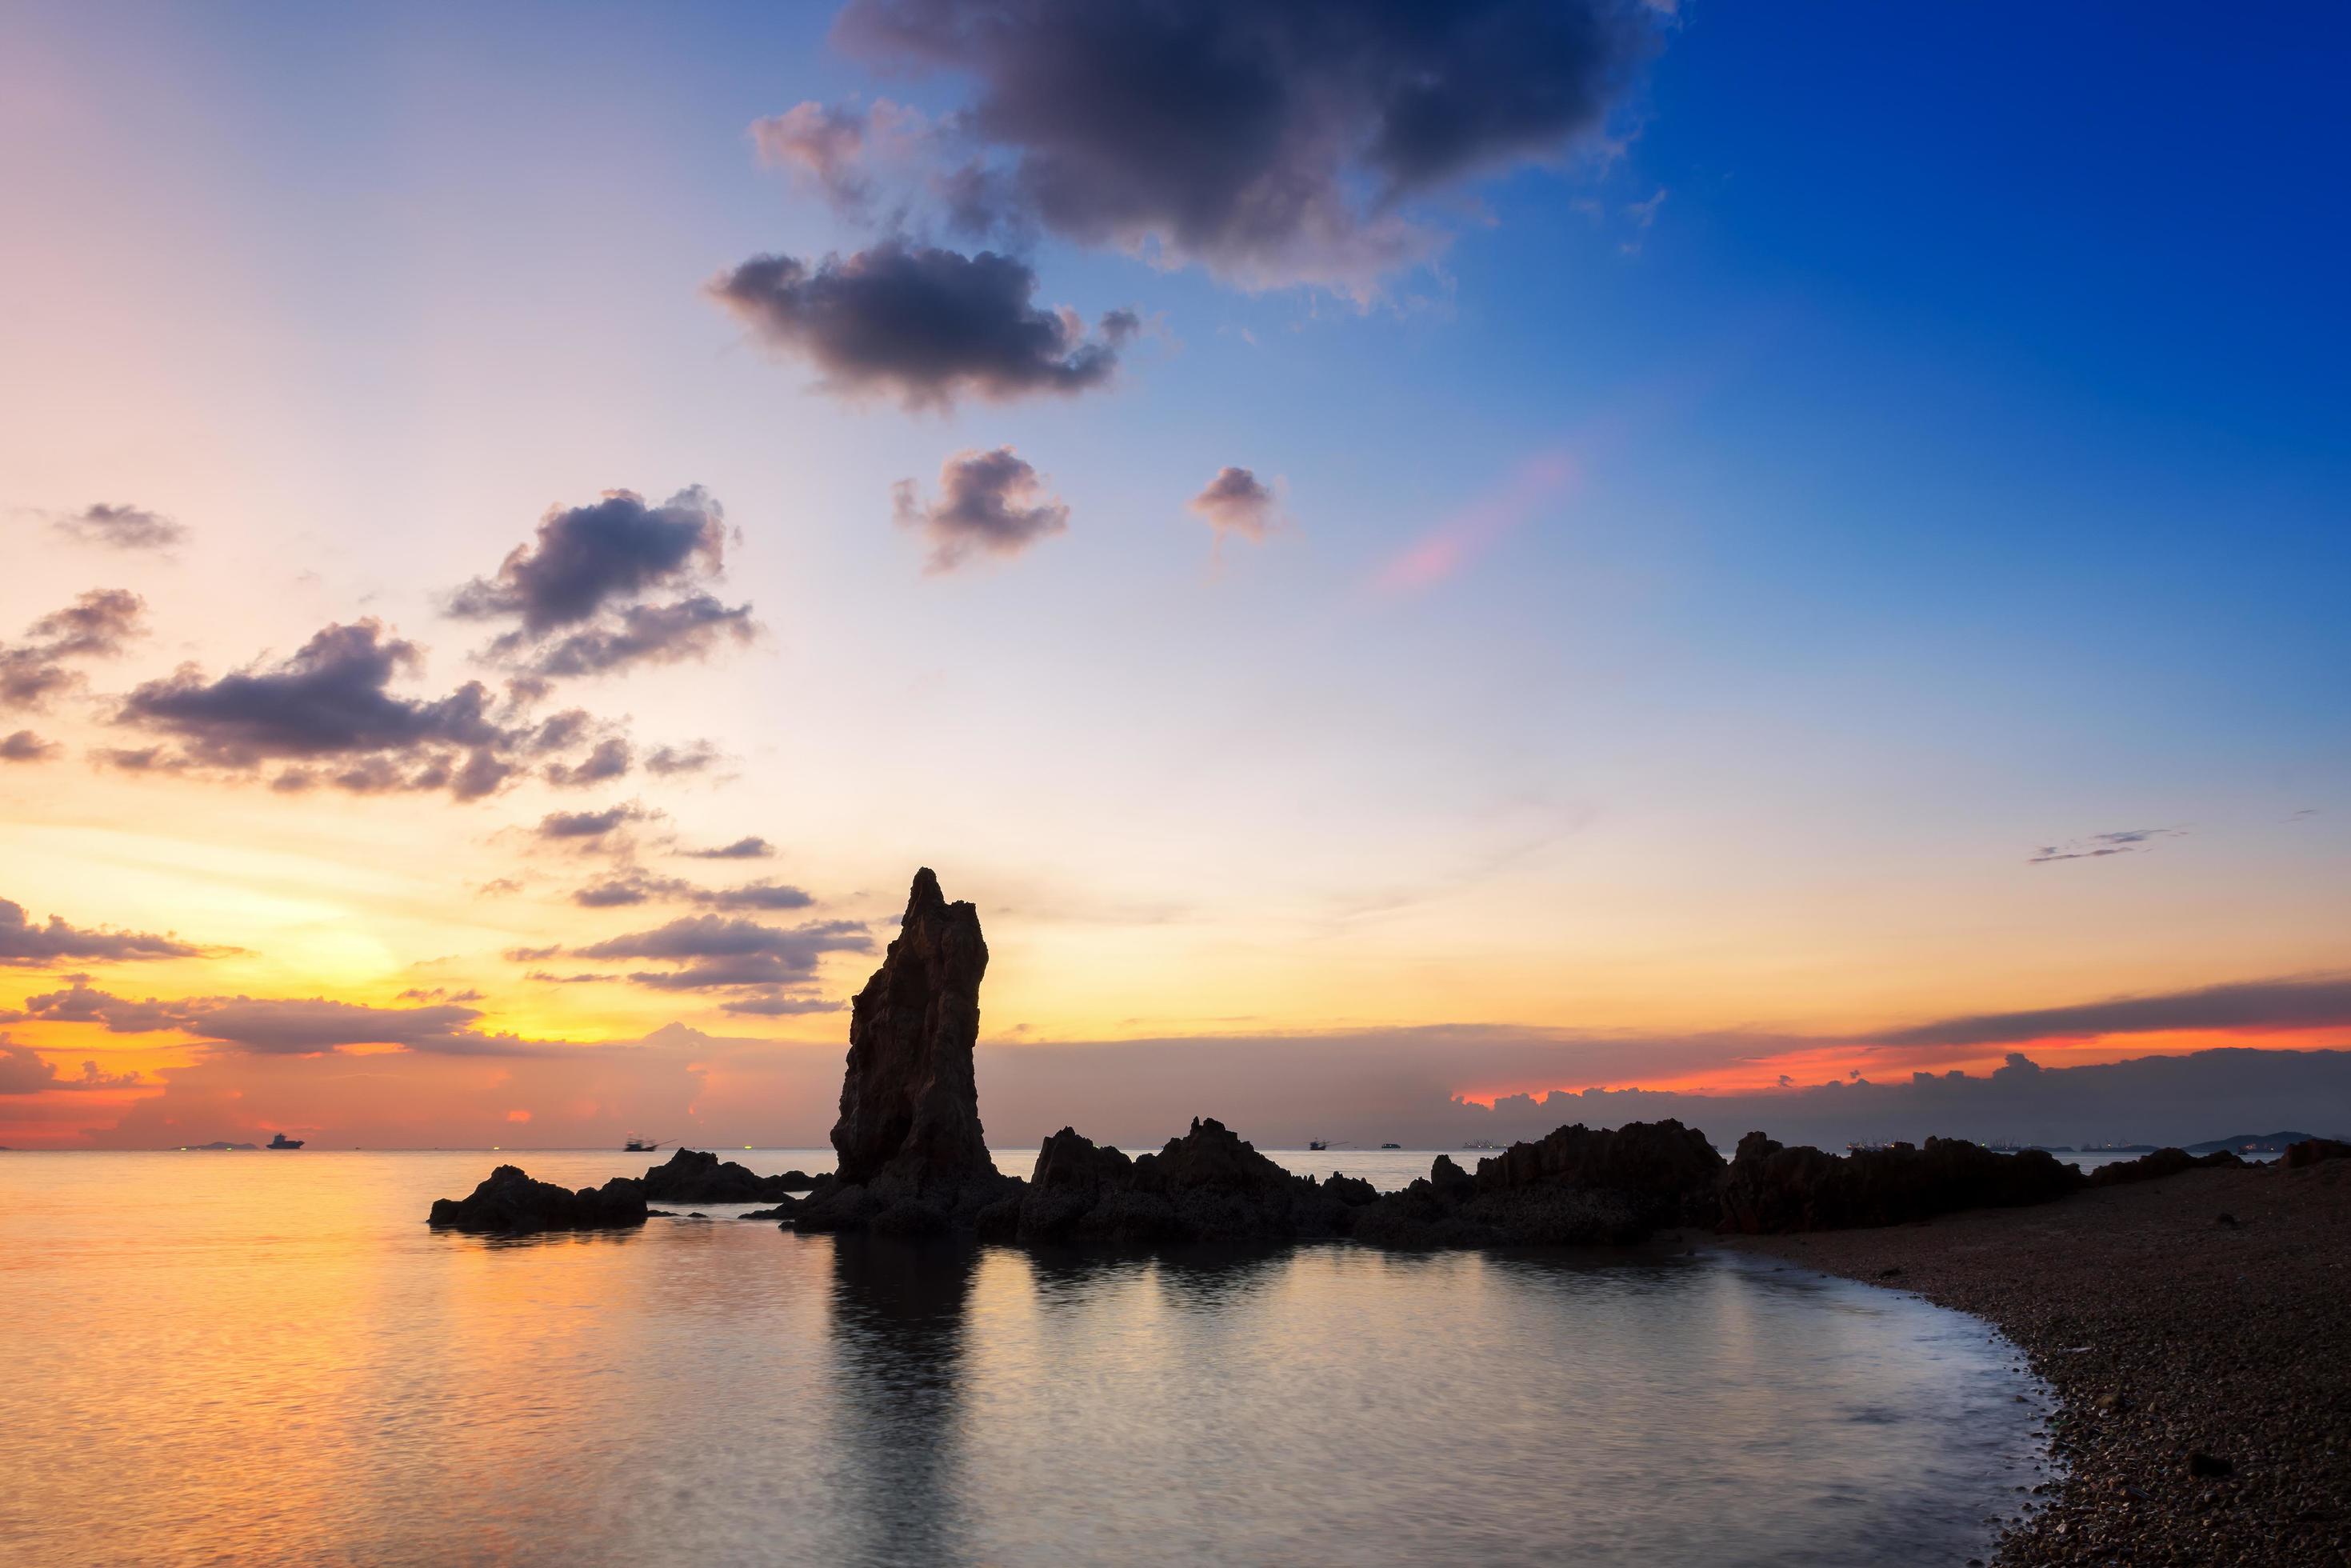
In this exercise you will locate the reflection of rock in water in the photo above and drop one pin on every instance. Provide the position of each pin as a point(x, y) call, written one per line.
point(899, 1310)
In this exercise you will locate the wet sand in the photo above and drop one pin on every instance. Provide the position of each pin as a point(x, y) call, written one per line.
point(2203, 1366)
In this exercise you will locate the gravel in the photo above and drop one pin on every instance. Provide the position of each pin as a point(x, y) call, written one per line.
point(2198, 1332)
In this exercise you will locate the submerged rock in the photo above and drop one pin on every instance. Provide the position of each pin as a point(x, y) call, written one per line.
point(1770, 1189)
point(913, 1160)
point(2162, 1162)
point(510, 1203)
point(693, 1175)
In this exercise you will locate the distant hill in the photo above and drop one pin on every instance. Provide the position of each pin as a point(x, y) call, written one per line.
point(2254, 1143)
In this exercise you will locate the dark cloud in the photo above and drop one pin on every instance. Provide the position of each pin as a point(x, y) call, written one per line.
point(2308, 1002)
point(691, 628)
point(586, 558)
point(23, 1071)
point(1236, 502)
point(609, 760)
point(99, 625)
point(2130, 840)
point(990, 503)
point(922, 325)
point(282, 1026)
point(1273, 141)
point(120, 527)
point(578, 590)
point(438, 994)
point(745, 849)
point(329, 710)
point(591, 824)
point(23, 745)
point(633, 887)
point(710, 952)
point(25, 944)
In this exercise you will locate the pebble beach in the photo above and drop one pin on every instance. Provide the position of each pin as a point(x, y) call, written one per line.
point(2198, 1332)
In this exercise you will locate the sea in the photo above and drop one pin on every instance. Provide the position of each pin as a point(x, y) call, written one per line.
point(261, 1358)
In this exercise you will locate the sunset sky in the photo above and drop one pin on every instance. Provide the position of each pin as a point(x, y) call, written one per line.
point(1529, 547)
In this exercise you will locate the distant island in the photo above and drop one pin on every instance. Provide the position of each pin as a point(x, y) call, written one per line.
point(2261, 1143)
point(200, 1148)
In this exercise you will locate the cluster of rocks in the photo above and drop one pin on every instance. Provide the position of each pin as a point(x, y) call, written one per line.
point(692, 1176)
point(511, 1203)
point(2162, 1162)
point(913, 1160)
point(1770, 1189)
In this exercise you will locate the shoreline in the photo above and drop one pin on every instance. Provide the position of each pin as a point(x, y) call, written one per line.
point(2199, 1361)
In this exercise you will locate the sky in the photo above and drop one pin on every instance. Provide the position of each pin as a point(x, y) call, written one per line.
point(1403, 556)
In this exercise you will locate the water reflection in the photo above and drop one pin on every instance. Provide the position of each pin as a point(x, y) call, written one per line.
point(898, 1327)
point(276, 1361)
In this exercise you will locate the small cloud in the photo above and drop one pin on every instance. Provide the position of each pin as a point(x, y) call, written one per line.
point(591, 824)
point(2129, 841)
point(925, 325)
point(1236, 502)
point(99, 624)
point(990, 503)
point(578, 589)
point(670, 761)
point(120, 527)
point(23, 745)
point(609, 760)
point(743, 849)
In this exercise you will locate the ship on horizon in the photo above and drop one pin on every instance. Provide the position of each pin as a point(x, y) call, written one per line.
point(282, 1142)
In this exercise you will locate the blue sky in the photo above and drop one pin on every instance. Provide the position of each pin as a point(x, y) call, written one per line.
point(1949, 404)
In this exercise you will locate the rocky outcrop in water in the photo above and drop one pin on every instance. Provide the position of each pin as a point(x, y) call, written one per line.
point(2162, 1162)
point(1770, 1189)
point(693, 1176)
point(510, 1203)
point(1206, 1186)
point(1576, 1186)
point(913, 1157)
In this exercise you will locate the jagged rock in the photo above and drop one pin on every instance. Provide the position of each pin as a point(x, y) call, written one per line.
point(511, 1203)
point(909, 1107)
point(2162, 1162)
point(1353, 1191)
point(2310, 1151)
point(913, 1159)
point(693, 1175)
point(1576, 1186)
point(1208, 1186)
point(1771, 1188)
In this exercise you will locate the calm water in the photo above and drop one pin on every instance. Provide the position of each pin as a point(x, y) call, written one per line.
point(269, 1358)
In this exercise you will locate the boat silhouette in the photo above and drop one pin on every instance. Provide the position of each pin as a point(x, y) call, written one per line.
point(282, 1142)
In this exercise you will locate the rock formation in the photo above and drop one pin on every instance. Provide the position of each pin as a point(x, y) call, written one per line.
point(2310, 1151)
point(693, 1175)
point(913, 1157)
point(1772, 1188)
point(509, 1203)
point(1206, 1186)
point(1576, 1186)
point(2162, 1162)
